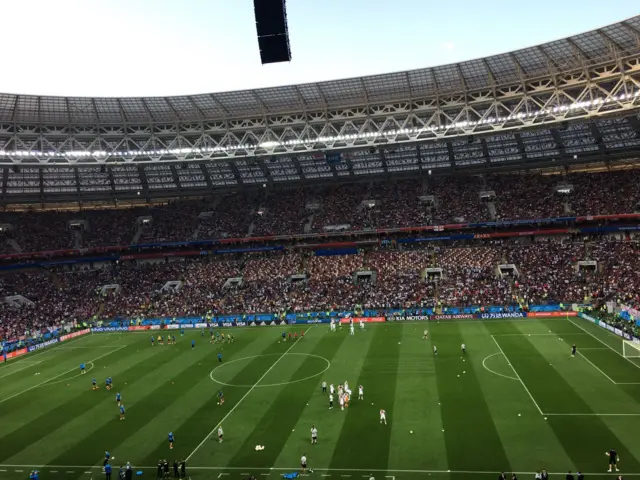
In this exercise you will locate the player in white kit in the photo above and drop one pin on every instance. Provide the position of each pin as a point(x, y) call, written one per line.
point(333, 325)
point(435, 350)
point(360, 393)
point(361, 325)
point(463, 347)
point(352, 330)
point(425, 335)
point(383, 417)
point(341, 402)
point(220, 434)
point(332, 389)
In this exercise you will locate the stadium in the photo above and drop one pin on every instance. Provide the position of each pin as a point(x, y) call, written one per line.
point(461, 242)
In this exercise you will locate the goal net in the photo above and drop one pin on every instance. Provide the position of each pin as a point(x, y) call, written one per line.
point(630, 349)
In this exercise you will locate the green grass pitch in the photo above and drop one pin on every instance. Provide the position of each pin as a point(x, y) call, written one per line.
point(516, 401)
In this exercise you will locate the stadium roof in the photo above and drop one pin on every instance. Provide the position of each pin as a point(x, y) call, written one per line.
point(598, 46)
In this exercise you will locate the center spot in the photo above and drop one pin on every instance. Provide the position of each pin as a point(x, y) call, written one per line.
point(223, 374)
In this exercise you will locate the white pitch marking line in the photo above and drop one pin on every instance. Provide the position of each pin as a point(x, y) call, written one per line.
point(31, 364)
point(496, 373)
point(605, 344)
point(597, 368)
point(593, 414)
point(389, 470)
point(245, 395)
point(516, 374)
point(57, 376)
point(536, 334)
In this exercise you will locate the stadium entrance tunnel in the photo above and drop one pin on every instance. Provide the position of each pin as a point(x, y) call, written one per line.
point(281, 369)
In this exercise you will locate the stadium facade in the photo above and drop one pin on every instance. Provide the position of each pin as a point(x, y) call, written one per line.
point(571, 101)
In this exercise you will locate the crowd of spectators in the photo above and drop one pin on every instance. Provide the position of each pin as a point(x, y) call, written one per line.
point(396, 204)
point(547, 272)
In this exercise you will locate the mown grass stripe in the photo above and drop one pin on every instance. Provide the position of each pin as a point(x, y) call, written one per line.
point(278, 421)
point(370, 448)
point(584, 438)
point(50, 421)
point(464, 408)
point(142, 406)
point(199, 422)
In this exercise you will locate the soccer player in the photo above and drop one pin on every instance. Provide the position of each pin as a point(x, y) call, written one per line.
point(502, 476)
point(193, 344)
point(352, 330)
point(220, 434)
point(159, 340)
point(341, 402)
point(173, 339)
point(331, 389)
point(182, 332)
point(153, 341)
point(171, 440)
point(569, 476)
point(303, 463)
point(121, 412)
point(284, 336)
point(314, 435)
point(324, 387)
point(332, 326)
point(580, 476)
point(202, 333)
point(107, 457)
point(219, 357)
point(613, 459)
point(107, 472)
point(289, 335)
point(425, 335)
point(118, 398)
point(330, 401)
point(383, 417)
point(295, 336)
point(463, 347)
point(360, 393)
point(220, 398)
point(94, 384)
point(435, 350)
point(82, 372)
point(361, 326)
point(573, 350)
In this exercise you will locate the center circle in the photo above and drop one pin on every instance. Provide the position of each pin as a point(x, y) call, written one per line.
point(261, 385)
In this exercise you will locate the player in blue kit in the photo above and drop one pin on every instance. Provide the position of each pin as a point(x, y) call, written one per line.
point(118, 398)
point(109, 383)
point(153, 341)
point(121, 412)
point(171, 440)
point(107, 457)
point(219, 357)
point(94, 384)
point(182, 332)
point(220, 398)
point(82, 369)
point(193, 344)
point(173, 339)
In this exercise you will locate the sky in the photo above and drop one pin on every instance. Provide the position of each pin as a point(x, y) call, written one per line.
point(179, 47)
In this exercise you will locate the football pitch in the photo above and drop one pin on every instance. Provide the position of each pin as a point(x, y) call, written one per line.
point(516, 401)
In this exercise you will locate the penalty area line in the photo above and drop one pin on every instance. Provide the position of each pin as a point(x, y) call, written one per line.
point(57, 376)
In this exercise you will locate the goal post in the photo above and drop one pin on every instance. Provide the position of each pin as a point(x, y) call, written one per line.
point(630, 349)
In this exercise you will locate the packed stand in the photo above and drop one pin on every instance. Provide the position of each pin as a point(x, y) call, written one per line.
point(527, 196)
point(285, 214)
point(457, 200)
point(547, 273)
point(230, 218)
point(399, 205)
point(605, 193)
point(341, 205)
